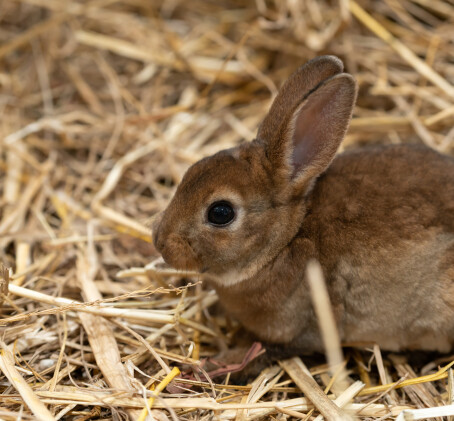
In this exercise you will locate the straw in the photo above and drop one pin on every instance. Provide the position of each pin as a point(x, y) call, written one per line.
point(10, 371)
point(327, 324)
point(104, 105)
point(159, 388)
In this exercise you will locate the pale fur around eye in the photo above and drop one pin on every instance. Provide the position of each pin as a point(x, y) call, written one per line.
point(230, 199)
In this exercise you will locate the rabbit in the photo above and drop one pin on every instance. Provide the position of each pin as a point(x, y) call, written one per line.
point(380, 220)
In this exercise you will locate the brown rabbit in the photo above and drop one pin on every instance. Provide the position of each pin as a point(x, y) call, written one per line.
point(379, 220)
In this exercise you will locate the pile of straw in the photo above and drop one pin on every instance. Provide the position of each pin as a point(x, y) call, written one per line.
point(104, 104)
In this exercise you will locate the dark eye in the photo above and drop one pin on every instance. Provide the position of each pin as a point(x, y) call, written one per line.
point(220, 213)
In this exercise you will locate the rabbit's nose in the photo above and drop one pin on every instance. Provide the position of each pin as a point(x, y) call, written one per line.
point(158, 240)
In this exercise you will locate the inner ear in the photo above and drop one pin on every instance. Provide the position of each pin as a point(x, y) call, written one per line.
point(319, 124)
point(304, 138)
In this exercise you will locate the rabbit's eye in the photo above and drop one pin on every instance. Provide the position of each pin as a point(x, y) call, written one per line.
point(220, 213)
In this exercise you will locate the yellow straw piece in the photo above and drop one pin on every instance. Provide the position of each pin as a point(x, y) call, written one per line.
point(440, 374)
point(161, 386)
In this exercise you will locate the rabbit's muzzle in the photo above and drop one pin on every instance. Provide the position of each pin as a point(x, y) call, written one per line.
point(175, 250)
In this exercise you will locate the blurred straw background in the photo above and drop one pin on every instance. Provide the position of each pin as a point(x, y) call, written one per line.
point(104, 104)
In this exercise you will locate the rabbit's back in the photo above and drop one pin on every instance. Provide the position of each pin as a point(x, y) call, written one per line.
point(403, 185)
point(383, 222)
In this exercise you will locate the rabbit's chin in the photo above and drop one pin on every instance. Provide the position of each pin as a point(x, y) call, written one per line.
point(236, 276)
point(232, 277)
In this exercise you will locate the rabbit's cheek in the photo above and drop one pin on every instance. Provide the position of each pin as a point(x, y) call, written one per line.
point(179, 254)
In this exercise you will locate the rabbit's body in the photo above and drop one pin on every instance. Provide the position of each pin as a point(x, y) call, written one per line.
point(391, 282)
point(380, 221)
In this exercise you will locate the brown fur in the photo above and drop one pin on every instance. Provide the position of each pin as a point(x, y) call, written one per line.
point(379, 220)
point(387, 248)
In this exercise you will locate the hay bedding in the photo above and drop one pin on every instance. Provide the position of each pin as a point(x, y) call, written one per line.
point(104, 104)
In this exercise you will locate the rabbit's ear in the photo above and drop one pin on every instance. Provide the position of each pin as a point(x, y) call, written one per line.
point(295, 89)
point(308, 138)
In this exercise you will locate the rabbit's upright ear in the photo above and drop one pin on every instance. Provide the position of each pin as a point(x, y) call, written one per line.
point(295, 89)
point(306, 139)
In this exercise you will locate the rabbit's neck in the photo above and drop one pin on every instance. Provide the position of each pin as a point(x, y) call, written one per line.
point(274, 304)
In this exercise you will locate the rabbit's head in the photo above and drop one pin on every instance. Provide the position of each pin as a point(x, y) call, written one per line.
point(234, 211)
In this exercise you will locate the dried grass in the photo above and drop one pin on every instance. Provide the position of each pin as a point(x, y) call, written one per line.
point(104, 105)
